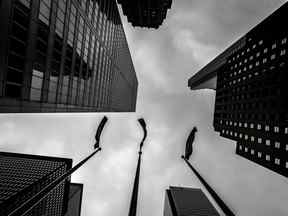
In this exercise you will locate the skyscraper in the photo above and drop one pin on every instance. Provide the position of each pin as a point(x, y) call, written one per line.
point(74, 200)
point(64, 56)
point(188, 202)
point(251, 104)
point(146, 13)
point(22, 176)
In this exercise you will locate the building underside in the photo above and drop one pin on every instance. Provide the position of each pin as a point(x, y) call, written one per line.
point(145, 13)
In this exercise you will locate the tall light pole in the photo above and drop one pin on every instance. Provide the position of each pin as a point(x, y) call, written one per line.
point(134, 198)
point(188, 153)
point(33, 201)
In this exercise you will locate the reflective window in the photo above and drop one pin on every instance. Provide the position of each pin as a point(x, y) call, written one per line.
point(277, 161)
point(81, 92)
point(61, 9)
point(36, 85)
point(64, 93)
point(44, 11)
point(72, 22)
point(25, 2)
point(96, 13)
point(277, 145)
point(52, 89)
point(86, 47)
point(92, 46)
point(90, 9)
point(80, 35)
point(83, 4)
point(74, 90)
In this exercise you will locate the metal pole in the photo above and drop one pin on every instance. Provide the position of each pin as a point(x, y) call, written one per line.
point(215, 196)
point(134, 198)
point(33, 201)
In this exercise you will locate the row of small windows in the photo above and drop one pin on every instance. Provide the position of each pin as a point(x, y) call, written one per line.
point(241, 100)
point(244, 115)
point(252, 74)
point(277, 161)
point(275, 129)
point(257, 63)
point(253, 89)
point(277, 144)
point(265, 50)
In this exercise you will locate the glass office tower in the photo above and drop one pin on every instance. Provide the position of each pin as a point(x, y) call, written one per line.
point(64, 56)
point(22, 176)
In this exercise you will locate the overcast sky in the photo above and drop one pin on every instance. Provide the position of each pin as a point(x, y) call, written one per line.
point(194, 32)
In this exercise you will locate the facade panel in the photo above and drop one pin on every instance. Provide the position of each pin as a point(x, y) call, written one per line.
point(61, 56)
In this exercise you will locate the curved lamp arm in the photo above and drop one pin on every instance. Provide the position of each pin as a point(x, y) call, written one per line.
point(143, 125)
point(99, 131)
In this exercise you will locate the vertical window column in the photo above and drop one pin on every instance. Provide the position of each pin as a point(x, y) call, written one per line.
point(18, 39)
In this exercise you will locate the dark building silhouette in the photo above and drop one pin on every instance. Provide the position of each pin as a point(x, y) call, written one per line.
point(251, 104)
point(187, 201)
point(74, 200)
point(22, 176)
point(145, 13)
point(64, 56)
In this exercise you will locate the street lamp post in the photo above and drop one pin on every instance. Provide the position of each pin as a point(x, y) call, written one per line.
point(188, 153)
point(33, 201)
point(134, 198)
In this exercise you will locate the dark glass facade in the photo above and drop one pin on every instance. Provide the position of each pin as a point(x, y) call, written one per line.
point(145, 13)
point(22, 176)
point(64, 56)
point(252, 98)
point(187, 201)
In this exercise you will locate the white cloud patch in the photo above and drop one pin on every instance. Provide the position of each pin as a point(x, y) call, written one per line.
point(186, 42)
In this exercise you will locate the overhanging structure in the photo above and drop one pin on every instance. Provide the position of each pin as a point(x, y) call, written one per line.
point(206, 78)
point(145, 13)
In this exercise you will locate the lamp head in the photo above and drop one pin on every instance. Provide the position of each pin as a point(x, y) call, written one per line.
point(99, 131)
point(143, 125)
